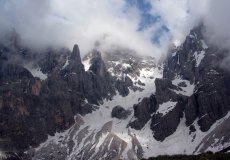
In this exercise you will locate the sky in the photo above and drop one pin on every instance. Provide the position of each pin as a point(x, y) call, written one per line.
point(148, 27)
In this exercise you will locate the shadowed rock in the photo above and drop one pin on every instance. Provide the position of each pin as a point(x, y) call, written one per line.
point(143, 111)
point(120, 113)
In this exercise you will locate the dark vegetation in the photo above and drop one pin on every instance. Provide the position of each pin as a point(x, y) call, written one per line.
point(204, 156)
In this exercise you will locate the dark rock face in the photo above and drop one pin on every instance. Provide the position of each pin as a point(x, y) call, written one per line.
point(14, 72)
point(200, 66)
point(191, 111)
point(122, 88)
point(53, 60)
point(213, 100)
point(191, 64)
point(30, 109)
point(106, 82)
point(120, 113)
point(128, 81)
point(164, 126)
point(143, 111)
point(210, 100)
point(164, 91)
point(75, 56)
point(99, 83)
point(183, 62)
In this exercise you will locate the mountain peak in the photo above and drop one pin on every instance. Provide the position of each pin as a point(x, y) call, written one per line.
point(75, 55)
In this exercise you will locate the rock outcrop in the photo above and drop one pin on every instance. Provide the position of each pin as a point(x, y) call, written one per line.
point(120, 113)
point(194, 79)
point(32, 108)
point(143, 112)
point(194, 93)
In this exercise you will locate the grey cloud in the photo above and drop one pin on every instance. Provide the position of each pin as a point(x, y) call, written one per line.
point(63, 23)
point(217, 22)
point(43, 23)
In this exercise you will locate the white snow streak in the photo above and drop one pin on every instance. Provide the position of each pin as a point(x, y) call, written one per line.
point(87, 64)
point(199, 56)
point(204, 45)
point(166, 107)
point(36, 72)
point(66, 63)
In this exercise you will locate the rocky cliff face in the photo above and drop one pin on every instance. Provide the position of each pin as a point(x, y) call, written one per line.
point(194, 86)
point(114, 104)
point(40, 93)
point(31, 108)
point(105, 133)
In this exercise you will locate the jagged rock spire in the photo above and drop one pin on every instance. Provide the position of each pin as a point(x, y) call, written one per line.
point(75, 55)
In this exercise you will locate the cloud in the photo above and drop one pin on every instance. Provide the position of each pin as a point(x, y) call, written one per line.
point(63, 23)
point(180, 16)
point(173, 15)
point(148, 26)
point(217, 23)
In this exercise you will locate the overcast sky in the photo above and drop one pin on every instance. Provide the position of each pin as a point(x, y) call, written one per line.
point(146, 26)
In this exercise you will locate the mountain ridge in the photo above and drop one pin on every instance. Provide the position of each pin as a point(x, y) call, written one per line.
point(179, 108)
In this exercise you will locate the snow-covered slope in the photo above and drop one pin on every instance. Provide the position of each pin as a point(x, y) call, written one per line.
point(118, 105)
point(98, 135)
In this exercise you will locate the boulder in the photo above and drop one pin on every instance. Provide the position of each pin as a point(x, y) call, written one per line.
point(120, 113)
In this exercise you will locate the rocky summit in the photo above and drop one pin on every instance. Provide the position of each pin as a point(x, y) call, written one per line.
point(113, 104)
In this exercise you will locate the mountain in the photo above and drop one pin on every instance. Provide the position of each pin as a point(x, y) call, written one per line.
point(113, 104)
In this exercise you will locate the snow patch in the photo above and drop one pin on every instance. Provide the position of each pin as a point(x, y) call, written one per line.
point(199, 56)
point(187, 90)
point(111, 71)
point(36, 72)
point(166, 107)
point(204, 45)
point(178, 59)
point(218, 145)
point(192, 36)
point(126, 65)
point(174, 54)
point(66, 63)
point(212, 71)
point(2, 155)
point(87, 64)
point(115, 62)
point(100, 142)
point(214, 147)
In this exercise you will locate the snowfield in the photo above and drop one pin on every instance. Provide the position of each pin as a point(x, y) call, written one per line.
point(97, 134)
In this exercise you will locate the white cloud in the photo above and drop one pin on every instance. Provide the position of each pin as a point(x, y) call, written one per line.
point(180, 16)
point(57, 22)
point(217, 22)
point(173, 14)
